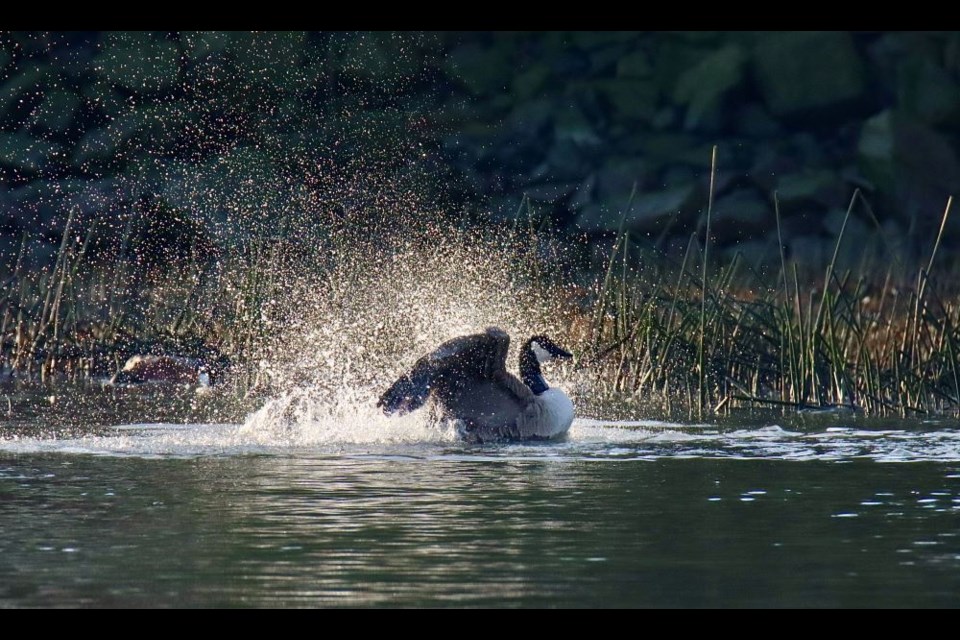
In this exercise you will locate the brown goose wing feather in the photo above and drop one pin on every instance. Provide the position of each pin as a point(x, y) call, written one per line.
point(468, 377)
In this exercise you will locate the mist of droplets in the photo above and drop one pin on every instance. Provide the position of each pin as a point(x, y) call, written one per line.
point(342, 336)
point(283, 196)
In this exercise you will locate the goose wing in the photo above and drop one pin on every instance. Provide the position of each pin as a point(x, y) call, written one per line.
point(468, 376)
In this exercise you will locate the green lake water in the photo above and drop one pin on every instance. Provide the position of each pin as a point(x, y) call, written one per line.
point(639, 514)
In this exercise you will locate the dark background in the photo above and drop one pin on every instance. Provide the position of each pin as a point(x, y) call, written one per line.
point(206, 139)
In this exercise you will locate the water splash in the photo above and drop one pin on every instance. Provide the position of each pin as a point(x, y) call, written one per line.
point(301, 417)
point(338, 336)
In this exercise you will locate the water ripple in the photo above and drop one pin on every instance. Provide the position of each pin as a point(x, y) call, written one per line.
point(589, 439)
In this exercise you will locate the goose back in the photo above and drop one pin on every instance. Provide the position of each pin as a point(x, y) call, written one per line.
point(468, 379)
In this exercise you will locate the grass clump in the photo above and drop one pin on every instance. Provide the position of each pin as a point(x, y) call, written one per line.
point(728, 338)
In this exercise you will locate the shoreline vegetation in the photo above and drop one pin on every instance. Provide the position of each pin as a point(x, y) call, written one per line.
point(711, 221)
point(702, 337)
point(880, 340)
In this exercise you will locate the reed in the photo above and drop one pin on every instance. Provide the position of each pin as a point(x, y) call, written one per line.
point(723, 338)
point(81, 317)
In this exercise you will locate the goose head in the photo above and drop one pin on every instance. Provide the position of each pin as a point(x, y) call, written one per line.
point(536, 351)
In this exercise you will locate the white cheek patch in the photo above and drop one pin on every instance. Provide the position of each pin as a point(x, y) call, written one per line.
point(542, 354)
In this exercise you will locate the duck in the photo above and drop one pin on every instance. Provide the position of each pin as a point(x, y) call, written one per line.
point(467, 379)
point(165, 369)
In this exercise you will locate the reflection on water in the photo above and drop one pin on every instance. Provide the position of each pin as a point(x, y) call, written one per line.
point(635, 514)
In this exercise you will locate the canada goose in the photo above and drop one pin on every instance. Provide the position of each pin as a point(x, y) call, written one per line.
point(468, 379)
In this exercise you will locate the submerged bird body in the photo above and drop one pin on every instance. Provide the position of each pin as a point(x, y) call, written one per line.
point(168, 369)
point(467, 379)
point(151, 369)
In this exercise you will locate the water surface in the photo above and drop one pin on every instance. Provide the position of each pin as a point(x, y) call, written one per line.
point(639, 514)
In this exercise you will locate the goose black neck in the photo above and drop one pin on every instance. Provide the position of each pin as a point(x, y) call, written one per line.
point(530, 370)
